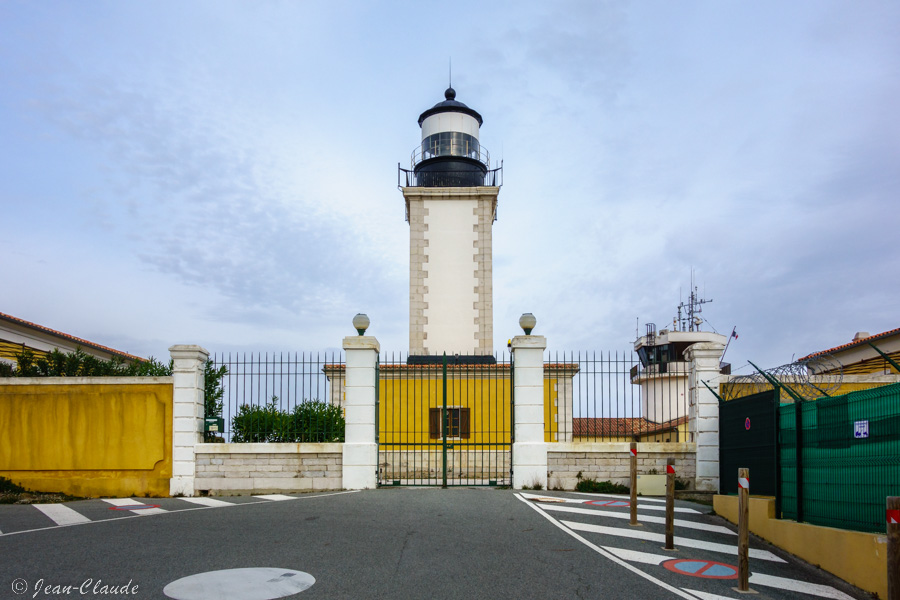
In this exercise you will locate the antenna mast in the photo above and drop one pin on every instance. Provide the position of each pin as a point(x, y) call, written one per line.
point(690, 319)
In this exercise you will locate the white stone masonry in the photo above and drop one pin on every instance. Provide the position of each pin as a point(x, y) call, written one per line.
point(360, 452)
point(187, 410)
point(704, 411)
point(529, 448)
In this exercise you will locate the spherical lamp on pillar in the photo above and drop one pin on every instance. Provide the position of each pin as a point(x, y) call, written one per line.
point(361, 323)
point(527, 322)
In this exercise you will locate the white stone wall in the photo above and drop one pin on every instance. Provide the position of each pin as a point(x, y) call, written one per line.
point(450, 281)
point(223, 469)
point(612, 462)
point(451, 269)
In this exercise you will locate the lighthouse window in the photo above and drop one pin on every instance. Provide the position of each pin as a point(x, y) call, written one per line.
point(450, 143)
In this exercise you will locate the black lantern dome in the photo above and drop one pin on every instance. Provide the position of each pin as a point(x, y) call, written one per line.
point(450, 154)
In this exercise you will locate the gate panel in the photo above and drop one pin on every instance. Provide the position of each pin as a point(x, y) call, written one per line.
point(431, 437)
point(748, 437)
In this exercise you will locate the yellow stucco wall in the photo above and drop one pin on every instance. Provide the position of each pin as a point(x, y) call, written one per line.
point(88, 437)
point(856, 557)
point(404, 405)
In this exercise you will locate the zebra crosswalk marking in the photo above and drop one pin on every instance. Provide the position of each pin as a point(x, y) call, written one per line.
point(661, 538)
point(126, 502)
point(644, 518)
point(61, 514)
point(707, 595)
point(203, 501)
point(758, 579)
point(641, 506)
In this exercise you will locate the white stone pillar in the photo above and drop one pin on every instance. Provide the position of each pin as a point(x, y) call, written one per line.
point(187, 412)
point(529, 449)
point(360, 452)
point(704, 360)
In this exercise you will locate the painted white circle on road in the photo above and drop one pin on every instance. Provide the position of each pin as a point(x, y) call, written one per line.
point(262, 583)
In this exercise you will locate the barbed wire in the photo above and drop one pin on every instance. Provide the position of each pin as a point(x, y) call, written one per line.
point(809, 379)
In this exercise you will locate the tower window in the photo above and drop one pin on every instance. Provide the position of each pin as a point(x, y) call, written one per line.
point(450, 143)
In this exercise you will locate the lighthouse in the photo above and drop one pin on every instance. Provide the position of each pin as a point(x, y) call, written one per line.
point(451, 204)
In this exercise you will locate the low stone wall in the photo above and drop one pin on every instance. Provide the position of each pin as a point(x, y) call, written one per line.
point(612, 461)
point(395, 463)
point(223, 469)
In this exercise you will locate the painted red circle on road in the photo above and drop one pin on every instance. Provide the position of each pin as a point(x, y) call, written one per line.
point(615, 503)
point(134, 507)
point(706, 569)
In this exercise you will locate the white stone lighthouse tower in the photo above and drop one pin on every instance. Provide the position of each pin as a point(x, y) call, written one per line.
point(451, 205)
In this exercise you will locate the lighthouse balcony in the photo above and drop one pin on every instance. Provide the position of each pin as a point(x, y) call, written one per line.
point(449, 174)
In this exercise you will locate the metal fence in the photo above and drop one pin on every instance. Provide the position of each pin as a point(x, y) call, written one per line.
point(600, 397)
point(444, 424)
point(279, 397)
point(840, 458)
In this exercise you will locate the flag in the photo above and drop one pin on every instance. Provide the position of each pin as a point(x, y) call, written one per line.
point(734, 333)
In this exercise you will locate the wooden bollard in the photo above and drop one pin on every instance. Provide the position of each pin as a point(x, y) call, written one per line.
point(893, 547)
point(743, 530)
point(633, 503)
point(670, 504)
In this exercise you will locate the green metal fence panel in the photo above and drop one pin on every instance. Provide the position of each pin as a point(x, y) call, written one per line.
point(849, 459)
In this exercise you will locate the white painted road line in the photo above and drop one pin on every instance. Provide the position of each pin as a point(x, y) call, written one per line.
point(620, 497)
point(207, 501)
point(707, 595)
point(661, 538)
point(126, 502)
point(803, 587)
point(276, 497)
point(641, 506)
point(61, 514)
point(644, 518)
point(637, 556)
point(759, 579)
point(606, 554)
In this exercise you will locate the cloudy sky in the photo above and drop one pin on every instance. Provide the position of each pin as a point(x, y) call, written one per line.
point(225, 174)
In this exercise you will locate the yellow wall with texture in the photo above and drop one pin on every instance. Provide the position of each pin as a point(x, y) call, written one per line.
point(87, 436)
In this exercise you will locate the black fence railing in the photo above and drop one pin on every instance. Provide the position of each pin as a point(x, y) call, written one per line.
point(449, 178)
point(280, 397)
point(598, 397)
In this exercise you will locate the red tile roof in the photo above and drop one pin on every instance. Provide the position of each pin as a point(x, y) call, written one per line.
point(866, 340)
point(597, 426)
point(66, 336)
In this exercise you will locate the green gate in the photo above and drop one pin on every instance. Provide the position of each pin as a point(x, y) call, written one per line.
point(748, 437)
point(444, 423)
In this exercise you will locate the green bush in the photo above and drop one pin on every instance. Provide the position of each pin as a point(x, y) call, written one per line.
point(310, 421)
point(8, 487)
point(600, 487)
point(316, 421)
point(80, 364)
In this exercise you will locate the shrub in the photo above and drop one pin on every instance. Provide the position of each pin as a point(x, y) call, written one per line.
point(316, 421)
point(80, 364)
point(261, 423)
point(310, 421)
point(601, 487)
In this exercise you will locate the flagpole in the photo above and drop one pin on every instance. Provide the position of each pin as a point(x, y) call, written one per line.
point(730, 337)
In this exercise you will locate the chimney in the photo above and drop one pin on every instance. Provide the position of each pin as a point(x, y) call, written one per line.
point(860, 335)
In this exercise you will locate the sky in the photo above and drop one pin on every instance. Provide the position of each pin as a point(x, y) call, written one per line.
point(225, 173)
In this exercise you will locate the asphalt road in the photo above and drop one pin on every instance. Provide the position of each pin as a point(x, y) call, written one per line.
point(387, 543)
